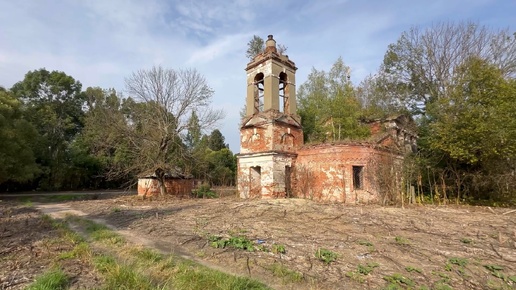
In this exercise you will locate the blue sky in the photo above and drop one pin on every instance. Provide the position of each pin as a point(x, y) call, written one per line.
point(101, 42)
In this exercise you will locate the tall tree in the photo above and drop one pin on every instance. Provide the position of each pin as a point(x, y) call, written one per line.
point(193, 134)
point(216, 141)
point(476, 122)
point(328, 106)
point(53, 103)
point(17, 137)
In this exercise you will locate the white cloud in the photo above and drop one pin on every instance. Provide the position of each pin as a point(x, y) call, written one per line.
point(101, 42)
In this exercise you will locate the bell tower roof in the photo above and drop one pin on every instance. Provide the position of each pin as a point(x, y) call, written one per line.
point(271, 53)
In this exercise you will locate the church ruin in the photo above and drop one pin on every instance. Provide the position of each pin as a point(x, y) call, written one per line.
point(274, 162)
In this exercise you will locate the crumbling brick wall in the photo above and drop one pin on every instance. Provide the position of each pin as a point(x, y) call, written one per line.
point(174, 186)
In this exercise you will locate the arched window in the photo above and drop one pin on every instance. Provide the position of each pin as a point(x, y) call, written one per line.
point(283, 93)
point(258, 93)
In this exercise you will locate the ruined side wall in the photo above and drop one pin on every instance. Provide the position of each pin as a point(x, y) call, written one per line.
point(325, 173)
point(270, 182)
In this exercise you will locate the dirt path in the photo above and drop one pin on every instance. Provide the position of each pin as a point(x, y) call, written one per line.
point(61, 210)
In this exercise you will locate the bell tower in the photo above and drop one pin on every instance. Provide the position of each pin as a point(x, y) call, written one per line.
point(271, 132)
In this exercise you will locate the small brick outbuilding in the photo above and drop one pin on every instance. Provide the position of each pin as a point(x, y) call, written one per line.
point(176, 184)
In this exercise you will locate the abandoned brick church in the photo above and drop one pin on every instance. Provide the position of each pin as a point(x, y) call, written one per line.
point(274, 162)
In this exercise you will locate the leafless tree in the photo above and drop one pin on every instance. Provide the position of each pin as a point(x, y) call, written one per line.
point(420, 66)
point(142, 134)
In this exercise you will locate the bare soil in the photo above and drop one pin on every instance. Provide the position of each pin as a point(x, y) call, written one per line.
point(430, 246)
point(30, 245)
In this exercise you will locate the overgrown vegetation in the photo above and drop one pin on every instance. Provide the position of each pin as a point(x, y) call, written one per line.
point(326, 255)
point(54, 279)
point(125, 266)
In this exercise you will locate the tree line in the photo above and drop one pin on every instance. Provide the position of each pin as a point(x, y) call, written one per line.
point(457, 81)
point(56, 136)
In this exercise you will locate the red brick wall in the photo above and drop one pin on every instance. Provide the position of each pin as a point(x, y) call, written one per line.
point(324, 172)
point(177, 187)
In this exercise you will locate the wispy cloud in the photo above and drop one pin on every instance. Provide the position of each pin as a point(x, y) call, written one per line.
point(101, 42)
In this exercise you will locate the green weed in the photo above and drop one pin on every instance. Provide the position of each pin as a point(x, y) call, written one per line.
point(413, 269)
point(278, 249)
point(204, 191)
point(399, 279)
point(401, 240)
point(466, 240)
point(285, 273)
point(54, 279)
point(461, 262)
point(325, 255)
point(236, 242)
point(369, 245)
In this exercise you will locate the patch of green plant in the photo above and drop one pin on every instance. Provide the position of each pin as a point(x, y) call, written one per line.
point(369, 245)
point(399, 279)
point(115, 209)
point(278, 249)
point(81, 250)
point(466, 240)
point(119, 276)
point(496, 271)
point(442, 286)
point(280, 270)
point(401, 240)
point(189, 276)
point(325, 255)
point(148, 255)
point(101, 233)
point(445, 278)
point(54, 279)
point(27, 203)
point(461, 262)
point(353, 275)
point(236, 242)
point(366, 269)
point(413, 269)
point(204, 191)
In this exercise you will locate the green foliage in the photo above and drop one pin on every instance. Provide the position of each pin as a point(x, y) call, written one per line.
point(466, 240)
point(54, 279)
point(235, 242)
point(53, 105)
point(401, 240)
point(413, 269)
point(369, 245)
point(189, 277)
point(216, 141)
point(17, 139)
point(475, 122)
point(278, 249)
point(366, 269)
point(325, 255)
point(328, 106)
point(255, 46)
point(461, 262)
point(289, 276)
point(362, 270)
point(204, 191)
point(399, 279)
point(148, 255)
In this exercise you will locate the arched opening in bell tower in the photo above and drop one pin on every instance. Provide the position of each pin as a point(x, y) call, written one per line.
point(258, 93)
point(283, 93)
